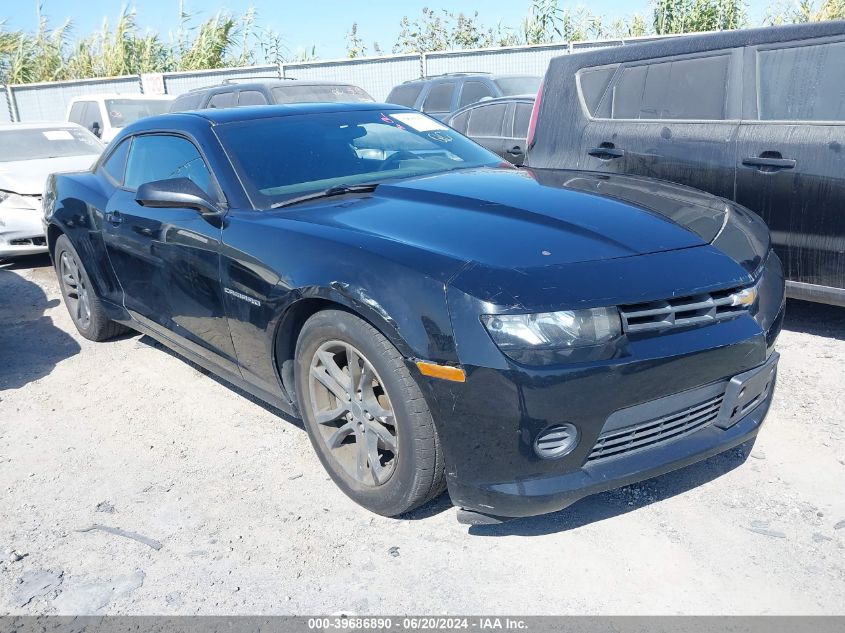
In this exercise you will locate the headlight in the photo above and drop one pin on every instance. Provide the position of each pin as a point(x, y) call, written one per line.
point(553, 330)
point(9, 200)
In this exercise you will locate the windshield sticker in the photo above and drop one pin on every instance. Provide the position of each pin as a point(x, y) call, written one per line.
point(418, 122)
point(58, 135)
point(440, 137)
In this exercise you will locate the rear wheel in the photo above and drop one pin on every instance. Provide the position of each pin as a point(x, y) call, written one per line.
point(85, 308)
point(365, 415)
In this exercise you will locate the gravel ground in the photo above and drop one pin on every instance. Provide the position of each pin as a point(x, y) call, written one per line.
point(220, 507)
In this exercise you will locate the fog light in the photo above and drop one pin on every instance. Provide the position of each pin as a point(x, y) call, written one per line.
point(556, 441)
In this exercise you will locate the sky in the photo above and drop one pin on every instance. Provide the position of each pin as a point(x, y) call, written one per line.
point(302, 24)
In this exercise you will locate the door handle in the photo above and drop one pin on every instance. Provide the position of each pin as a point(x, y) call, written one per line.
point(516, 150)
point(606, 153)
point(769, 163)
point(114, 217)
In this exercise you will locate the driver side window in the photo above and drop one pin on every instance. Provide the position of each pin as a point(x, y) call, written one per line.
point(159, 157)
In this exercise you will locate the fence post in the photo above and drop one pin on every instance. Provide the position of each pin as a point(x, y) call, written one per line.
point(13, 104)
point(423, 65)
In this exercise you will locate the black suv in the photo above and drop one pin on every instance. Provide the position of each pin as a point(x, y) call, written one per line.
point(231, 94)
point(756, 116)
point(440, 95)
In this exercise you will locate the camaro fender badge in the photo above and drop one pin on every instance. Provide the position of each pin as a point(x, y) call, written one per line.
point(242, 296)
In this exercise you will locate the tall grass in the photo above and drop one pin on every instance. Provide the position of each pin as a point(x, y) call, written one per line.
point(121, 48)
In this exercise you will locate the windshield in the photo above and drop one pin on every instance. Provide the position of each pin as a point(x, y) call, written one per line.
point(283, 157)
point(518, 85)
point(122, 112)
point(38, 143)
point(319, 93)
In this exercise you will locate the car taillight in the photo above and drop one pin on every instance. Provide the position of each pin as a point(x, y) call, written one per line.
point(532, 122)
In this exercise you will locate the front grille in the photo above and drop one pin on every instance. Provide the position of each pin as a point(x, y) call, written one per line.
point(656, 431)
point(684, 311)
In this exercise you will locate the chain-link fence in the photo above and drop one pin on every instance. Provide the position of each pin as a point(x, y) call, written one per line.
point(376, 75)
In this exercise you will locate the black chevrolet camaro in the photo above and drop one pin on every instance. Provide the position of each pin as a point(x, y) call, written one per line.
point(435, 317)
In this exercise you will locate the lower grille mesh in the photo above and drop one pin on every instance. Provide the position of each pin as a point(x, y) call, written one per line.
point(657, 431)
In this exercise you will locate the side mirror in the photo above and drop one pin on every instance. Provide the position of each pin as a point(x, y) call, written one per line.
point(96, 130)
point(176, 193)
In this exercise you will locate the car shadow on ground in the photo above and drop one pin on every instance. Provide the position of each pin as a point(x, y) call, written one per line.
point(30, 345)
point(815, 318)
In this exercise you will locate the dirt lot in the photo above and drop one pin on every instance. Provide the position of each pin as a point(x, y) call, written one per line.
point(235, 514)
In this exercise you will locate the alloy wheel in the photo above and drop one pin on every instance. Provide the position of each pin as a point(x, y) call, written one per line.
point(353, 413)
point(75, 290)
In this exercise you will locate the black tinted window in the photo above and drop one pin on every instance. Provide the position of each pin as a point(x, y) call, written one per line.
point(327, 93)
point(76, 112)
point(405, 95)
point(251, 98)
point(593, 86)
point(802, 83)
point(683, 89)
point(487, 120)
point(222, 100)
point(190, 101)
point(521, 120)
point(473, 91)
point(159, 157)
point(116, 163)
point(439, 99)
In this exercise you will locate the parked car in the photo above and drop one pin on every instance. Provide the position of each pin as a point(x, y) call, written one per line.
point(756, 116)
point(435, 316)
point(440, 95)
point(104, 115)
point(234, 94)
point(32, 151)
point(500, 125)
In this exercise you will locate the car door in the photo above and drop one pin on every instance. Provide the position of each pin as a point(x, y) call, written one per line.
point(516, 128)
point(670, 118)
point(486, 126)
point(167, 260)
point(791, 156)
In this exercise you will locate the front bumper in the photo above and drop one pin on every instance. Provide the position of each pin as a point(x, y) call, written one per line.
point(21, 233)
point(488, 424)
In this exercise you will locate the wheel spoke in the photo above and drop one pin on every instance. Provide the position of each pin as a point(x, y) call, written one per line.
point(381, 432)
point(330, 365)
point(361, 463)
point(338, 436)
point(330, 383)
point(327, 416)
point(354, 364)
point(376, 469)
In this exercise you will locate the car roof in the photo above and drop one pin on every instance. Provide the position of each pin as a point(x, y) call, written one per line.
point(269, 83)
point(684, 44)
point(217, 116)
point(118, 95)
point(464, 75)
point(40, 125)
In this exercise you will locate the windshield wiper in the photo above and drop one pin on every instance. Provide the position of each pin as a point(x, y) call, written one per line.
point(336, 190)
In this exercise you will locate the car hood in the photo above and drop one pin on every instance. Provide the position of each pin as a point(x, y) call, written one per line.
point(27, 177)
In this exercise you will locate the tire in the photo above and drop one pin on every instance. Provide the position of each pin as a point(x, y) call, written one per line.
point(408, 470)
point(84, 306)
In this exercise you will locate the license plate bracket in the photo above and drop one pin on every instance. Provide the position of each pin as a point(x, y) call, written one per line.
point(746, 391)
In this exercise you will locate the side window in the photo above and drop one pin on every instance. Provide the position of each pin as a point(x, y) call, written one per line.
point(801, 83)
point(682, 89)
point(487, 120)
point(222, 100)
point(459, 122)
point(251, 98)
point(474, 91)
point(190, 101)
point(521, 120)
point(593, 84)
point(160, 156)
point(116, 163)
point(77, 111)
point(439, 98)
point(405, 94)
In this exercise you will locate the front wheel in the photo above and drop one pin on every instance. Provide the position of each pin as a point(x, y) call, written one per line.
point(365, 415)
point(85, 308)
